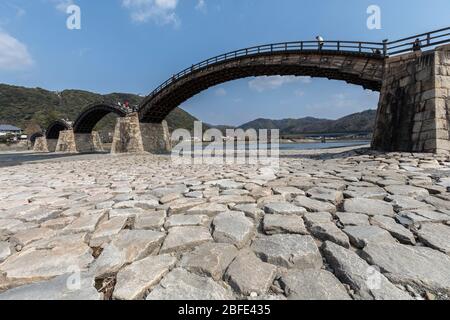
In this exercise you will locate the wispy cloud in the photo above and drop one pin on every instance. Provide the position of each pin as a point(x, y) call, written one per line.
point(161, 12)
point(14, 54)
point(220, 92)
point(61, 5)
point(262, 84)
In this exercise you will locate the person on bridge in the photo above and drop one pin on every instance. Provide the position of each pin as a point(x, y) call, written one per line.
point(417, 46)
point(320, 41)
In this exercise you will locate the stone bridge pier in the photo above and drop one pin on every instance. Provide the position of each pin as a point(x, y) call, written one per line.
point(414, 108)
point(132, 136)
point(71, 142)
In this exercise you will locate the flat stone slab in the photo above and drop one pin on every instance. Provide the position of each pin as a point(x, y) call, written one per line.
point(440, 204)
point(65, 287)
point(312, 205)
point(284, 208)
point(406, 190)
point(226, 184)
point(325, 194)
point(317, 217)
point(136, 279)
point(251, 210)
point(26, 237)
point(126, 247)
point(150, 220)
point(173, 189)
point(185, 238)
point(376, 193)
point(233, 227)
point(353, 219)
point(180, 284)
point(210, 259)
point(276, 224)
point(33, 265)
point(417, 217)
point(436, 236)
point(107, 230)
point(182, 205)
point(288, 193)
point(313, 285)
point(395, 229)
point(247, 274)
point(288, 251)
point(360, 236)
point(209, 209)
point(236, 199)
point(402, 203)
point(181, 220)
point(329, 231)
point(369, 206)
point(421, 267)
point(5, 250)
point(367, 282)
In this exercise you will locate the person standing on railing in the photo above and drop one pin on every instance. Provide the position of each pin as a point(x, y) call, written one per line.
point(320, 42)
point(417, 46)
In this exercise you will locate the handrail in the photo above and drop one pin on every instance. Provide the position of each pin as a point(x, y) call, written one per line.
point(379, 49)
point(423, 40)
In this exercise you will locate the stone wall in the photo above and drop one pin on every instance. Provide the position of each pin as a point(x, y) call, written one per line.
point(413, 108)
point(156, 137)
point(442, 96)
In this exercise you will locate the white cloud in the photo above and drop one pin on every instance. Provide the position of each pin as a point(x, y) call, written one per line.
point(161, 12)
point(262, 84)
point(14, 55)
point(201, 5)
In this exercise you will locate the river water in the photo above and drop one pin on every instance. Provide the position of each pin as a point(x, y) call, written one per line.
point(318, 145)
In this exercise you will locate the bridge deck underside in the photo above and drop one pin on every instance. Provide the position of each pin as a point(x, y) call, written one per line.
point(87, 121)
point(359, 70)
point(54, 130)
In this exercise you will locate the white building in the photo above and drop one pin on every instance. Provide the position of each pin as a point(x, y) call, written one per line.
point(8, 129)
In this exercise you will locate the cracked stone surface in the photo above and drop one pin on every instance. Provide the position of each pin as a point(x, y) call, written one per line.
point(288, 251)
point(134, 280)
point(183, 285)
point(313, 285)
point(143, 227)
point(233, 227)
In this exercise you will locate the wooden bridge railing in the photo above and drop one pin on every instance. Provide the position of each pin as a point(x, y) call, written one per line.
point(382, 49)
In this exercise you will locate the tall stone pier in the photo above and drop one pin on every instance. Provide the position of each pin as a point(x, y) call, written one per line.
point(71, 142)
point(88, 142)
point(413, 112)
point(131, 136)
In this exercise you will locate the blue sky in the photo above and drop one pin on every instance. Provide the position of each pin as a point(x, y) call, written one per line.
point(134, 45)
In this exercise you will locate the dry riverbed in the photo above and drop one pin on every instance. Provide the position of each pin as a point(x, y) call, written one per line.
point(336, 224)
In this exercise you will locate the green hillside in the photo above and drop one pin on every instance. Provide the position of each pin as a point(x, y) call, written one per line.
point(31, 108)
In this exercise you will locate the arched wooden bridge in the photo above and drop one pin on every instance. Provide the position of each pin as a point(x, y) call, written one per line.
point(389, 67)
